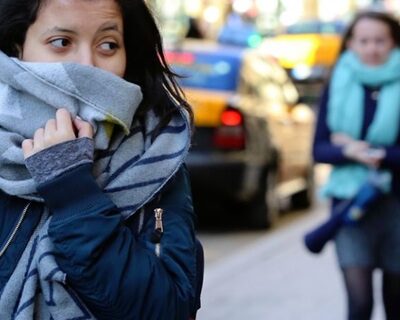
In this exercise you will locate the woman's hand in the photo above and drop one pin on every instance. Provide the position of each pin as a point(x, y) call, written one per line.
point(58, 130)
point(341, 139)
point(358, 150)
point(362, 153)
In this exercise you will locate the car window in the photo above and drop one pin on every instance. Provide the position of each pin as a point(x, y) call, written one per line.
point(210, 70)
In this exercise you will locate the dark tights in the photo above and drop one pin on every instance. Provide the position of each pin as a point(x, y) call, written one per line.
point(358, 283)
point(391, 295)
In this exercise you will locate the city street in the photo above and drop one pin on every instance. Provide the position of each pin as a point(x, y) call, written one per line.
point(270, 275)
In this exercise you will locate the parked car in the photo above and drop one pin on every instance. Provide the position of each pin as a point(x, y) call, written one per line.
point(251, 143)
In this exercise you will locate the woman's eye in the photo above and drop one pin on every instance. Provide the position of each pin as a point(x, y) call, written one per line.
point(109, 46)
point(380, 41)
point(60, 42)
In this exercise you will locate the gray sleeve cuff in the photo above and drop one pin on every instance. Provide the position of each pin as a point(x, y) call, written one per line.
point(54, 161)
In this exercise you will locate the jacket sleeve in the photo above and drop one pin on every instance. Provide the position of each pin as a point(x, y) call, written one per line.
point(392, 157)
point(118, 273)
point(323, 150)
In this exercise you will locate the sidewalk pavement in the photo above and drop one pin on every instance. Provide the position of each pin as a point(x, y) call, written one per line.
point(276, 278)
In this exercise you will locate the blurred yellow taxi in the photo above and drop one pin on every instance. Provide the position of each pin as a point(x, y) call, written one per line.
point(307, 50)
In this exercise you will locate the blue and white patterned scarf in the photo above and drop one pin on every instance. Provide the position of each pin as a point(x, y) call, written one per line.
point(128, 164)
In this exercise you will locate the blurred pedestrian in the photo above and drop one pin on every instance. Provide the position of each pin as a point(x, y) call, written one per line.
point(96, 216)
point(358, 131)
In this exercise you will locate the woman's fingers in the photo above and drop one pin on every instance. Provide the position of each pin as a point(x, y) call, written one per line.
point(27, 147)
point(56, 131)
point(64, 124)
point(38, 139)
point(84, 128)
point(50, 129)
point(32, 146)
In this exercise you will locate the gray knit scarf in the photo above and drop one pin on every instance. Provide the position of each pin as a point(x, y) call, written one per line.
point(129, 165)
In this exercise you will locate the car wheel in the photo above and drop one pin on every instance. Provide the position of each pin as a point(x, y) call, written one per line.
point(304, 198)
point(265, 207)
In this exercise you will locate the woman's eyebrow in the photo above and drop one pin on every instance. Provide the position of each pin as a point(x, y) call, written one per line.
point(109, 26)
point(59, 29)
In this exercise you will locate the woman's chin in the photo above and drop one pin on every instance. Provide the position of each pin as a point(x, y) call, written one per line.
point(374, 62)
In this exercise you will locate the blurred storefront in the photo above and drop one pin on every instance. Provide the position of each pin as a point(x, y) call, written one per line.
point(268, 16)
point(176, 17)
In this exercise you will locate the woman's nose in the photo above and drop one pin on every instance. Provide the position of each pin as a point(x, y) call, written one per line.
point(85, 56)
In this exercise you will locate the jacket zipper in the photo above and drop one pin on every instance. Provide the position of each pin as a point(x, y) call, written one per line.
point(16, 228)
point(158, 215)
point(158, 230)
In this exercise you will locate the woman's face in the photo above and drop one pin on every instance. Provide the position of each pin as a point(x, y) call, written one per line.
point(371, 41)
point(81, 31)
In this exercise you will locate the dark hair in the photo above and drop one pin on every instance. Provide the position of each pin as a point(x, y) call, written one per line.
point(384, 17)
point(146, 63)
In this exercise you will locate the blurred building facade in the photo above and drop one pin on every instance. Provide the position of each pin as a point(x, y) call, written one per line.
point(269, 16)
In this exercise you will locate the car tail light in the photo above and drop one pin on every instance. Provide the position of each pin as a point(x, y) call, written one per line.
point(230, 134)
point(185, 58)
point(231, 118)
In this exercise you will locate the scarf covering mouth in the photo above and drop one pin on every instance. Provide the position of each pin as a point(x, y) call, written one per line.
point(129, 166)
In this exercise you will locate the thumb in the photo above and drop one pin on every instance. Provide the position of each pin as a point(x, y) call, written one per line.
point(84, 128)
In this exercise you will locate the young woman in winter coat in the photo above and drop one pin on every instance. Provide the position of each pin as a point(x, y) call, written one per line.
point(96, 216)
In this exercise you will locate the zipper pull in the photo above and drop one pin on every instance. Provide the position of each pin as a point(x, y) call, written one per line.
point(158, 228)
point(158, 215)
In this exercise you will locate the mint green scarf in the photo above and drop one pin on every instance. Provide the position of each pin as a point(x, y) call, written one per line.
point(346, 114)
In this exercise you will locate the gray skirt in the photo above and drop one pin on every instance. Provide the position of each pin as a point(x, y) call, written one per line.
point(375, 241)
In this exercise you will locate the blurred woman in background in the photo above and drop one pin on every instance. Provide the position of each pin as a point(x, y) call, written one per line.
point(358, 131)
